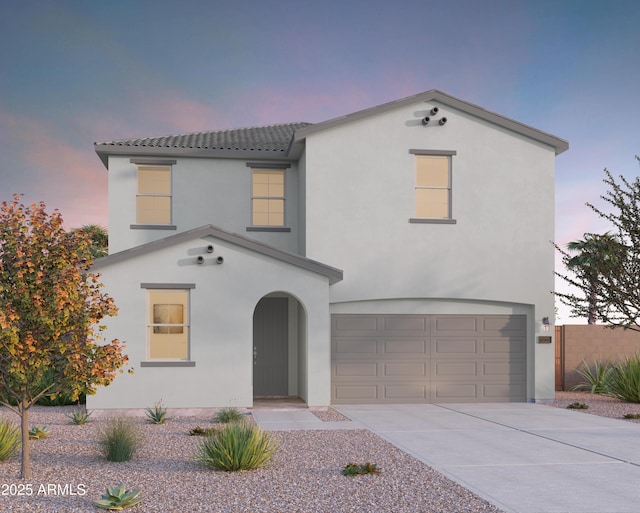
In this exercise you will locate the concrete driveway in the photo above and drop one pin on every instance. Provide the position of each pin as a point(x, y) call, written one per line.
point(524, 458)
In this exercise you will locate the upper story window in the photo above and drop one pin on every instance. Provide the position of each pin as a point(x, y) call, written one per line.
point(433, 180)
point(267, 197)
point(153, 201)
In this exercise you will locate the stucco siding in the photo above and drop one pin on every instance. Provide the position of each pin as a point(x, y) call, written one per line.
point(204, 191)
point(222, 306)
point(359, 205)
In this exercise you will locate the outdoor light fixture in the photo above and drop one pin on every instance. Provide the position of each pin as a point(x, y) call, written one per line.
point(546, 324)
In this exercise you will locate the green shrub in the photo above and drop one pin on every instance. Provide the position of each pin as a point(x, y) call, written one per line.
point(228, 415)
point(630, 416)
point(10, 439)
point(594, 380)
point(234, 447)
point(157, 414)
point(354, 469)
point(38, 432)
point(578, 406)
point(119, 440)
point(624, 380)
point(198, 431)
point(118, 498)
point(79, 416)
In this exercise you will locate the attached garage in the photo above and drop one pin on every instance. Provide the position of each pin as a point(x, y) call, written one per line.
point(428, 358)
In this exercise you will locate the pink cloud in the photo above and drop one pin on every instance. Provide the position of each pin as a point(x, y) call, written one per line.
point(64, 177)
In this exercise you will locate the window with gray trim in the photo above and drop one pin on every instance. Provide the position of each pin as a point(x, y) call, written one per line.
point(433, 186)
point(168, 325)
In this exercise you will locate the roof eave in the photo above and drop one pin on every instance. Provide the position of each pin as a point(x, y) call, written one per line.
point(333, 274)
point(559, 145)
point(106, 150)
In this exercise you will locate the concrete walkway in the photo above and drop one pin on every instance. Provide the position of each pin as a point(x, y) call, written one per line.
point(524, 458)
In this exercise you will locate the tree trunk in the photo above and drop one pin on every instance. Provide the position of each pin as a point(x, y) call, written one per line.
point(25, 470)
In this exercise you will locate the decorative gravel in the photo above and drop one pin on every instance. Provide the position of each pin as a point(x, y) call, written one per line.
point(598, 405)
point(304, 477)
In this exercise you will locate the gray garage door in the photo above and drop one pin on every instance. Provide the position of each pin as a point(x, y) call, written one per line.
point(428, 358)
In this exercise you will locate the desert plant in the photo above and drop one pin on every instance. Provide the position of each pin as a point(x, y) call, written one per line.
point(354, 469)
point(630, 416)
point(38, 432)
point(79, 416)
point(9, 439)
point(594, 380)
point(198, 431)
point(624, 380)
point(578, 406)
point(119, 440)
point(234, 447)
point(118, 498)
point(157, 414)
point(229, 415)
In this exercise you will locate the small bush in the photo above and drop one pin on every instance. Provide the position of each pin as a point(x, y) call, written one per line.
point(354, 469)
point(10, 439)
point(119, 440)
point(229, 415)
point(198, 431)
point(630, 416)
point(118, 498)
point(157, 414)
point(79, 416)
point(578, 406)
point(38, 432)
point(594, 380)
point(235, 447)
point(624, 380)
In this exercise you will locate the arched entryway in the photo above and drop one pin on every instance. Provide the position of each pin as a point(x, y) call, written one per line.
point(279, 347)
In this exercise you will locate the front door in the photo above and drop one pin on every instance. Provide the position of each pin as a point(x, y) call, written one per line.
point(270, 347)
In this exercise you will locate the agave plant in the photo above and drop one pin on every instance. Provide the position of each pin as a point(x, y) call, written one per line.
point(596, 380)
point(157, 414)
point(38, 432)
point(118, 498)
point(79, 416)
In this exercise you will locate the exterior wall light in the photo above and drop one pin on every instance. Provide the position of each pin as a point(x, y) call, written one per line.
point(546, 324)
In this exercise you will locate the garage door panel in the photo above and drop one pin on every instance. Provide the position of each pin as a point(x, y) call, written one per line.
point(355, 369)
point(510, 369)
point(405, 347)
point(406, 393)
point(405, 370)
point(505, 346)
point(355, 324)
point(356, 393)
point(454, 347)
point(354, 346)
point(504, 324)
point(454, 369)
point(408, 325)
point(450, 325)
point(428, 358)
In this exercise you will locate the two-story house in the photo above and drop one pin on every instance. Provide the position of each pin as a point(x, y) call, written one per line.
point(396, 254)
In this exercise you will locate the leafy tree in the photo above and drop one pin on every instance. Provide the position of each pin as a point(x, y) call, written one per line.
point(589, 251)
point(99, 238)
point(50, 307)
point(608, 270)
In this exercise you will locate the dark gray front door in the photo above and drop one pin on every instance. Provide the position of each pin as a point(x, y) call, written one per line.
point(270, 347)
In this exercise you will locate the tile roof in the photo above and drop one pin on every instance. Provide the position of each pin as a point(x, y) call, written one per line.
point(270, 138)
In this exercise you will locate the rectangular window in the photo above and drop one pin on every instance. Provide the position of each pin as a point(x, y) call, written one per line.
point(153, 202)
point(432, 186)
point(267, 197)
point(168, 325)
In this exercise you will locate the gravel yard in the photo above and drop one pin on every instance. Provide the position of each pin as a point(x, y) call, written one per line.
point(304, 477)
